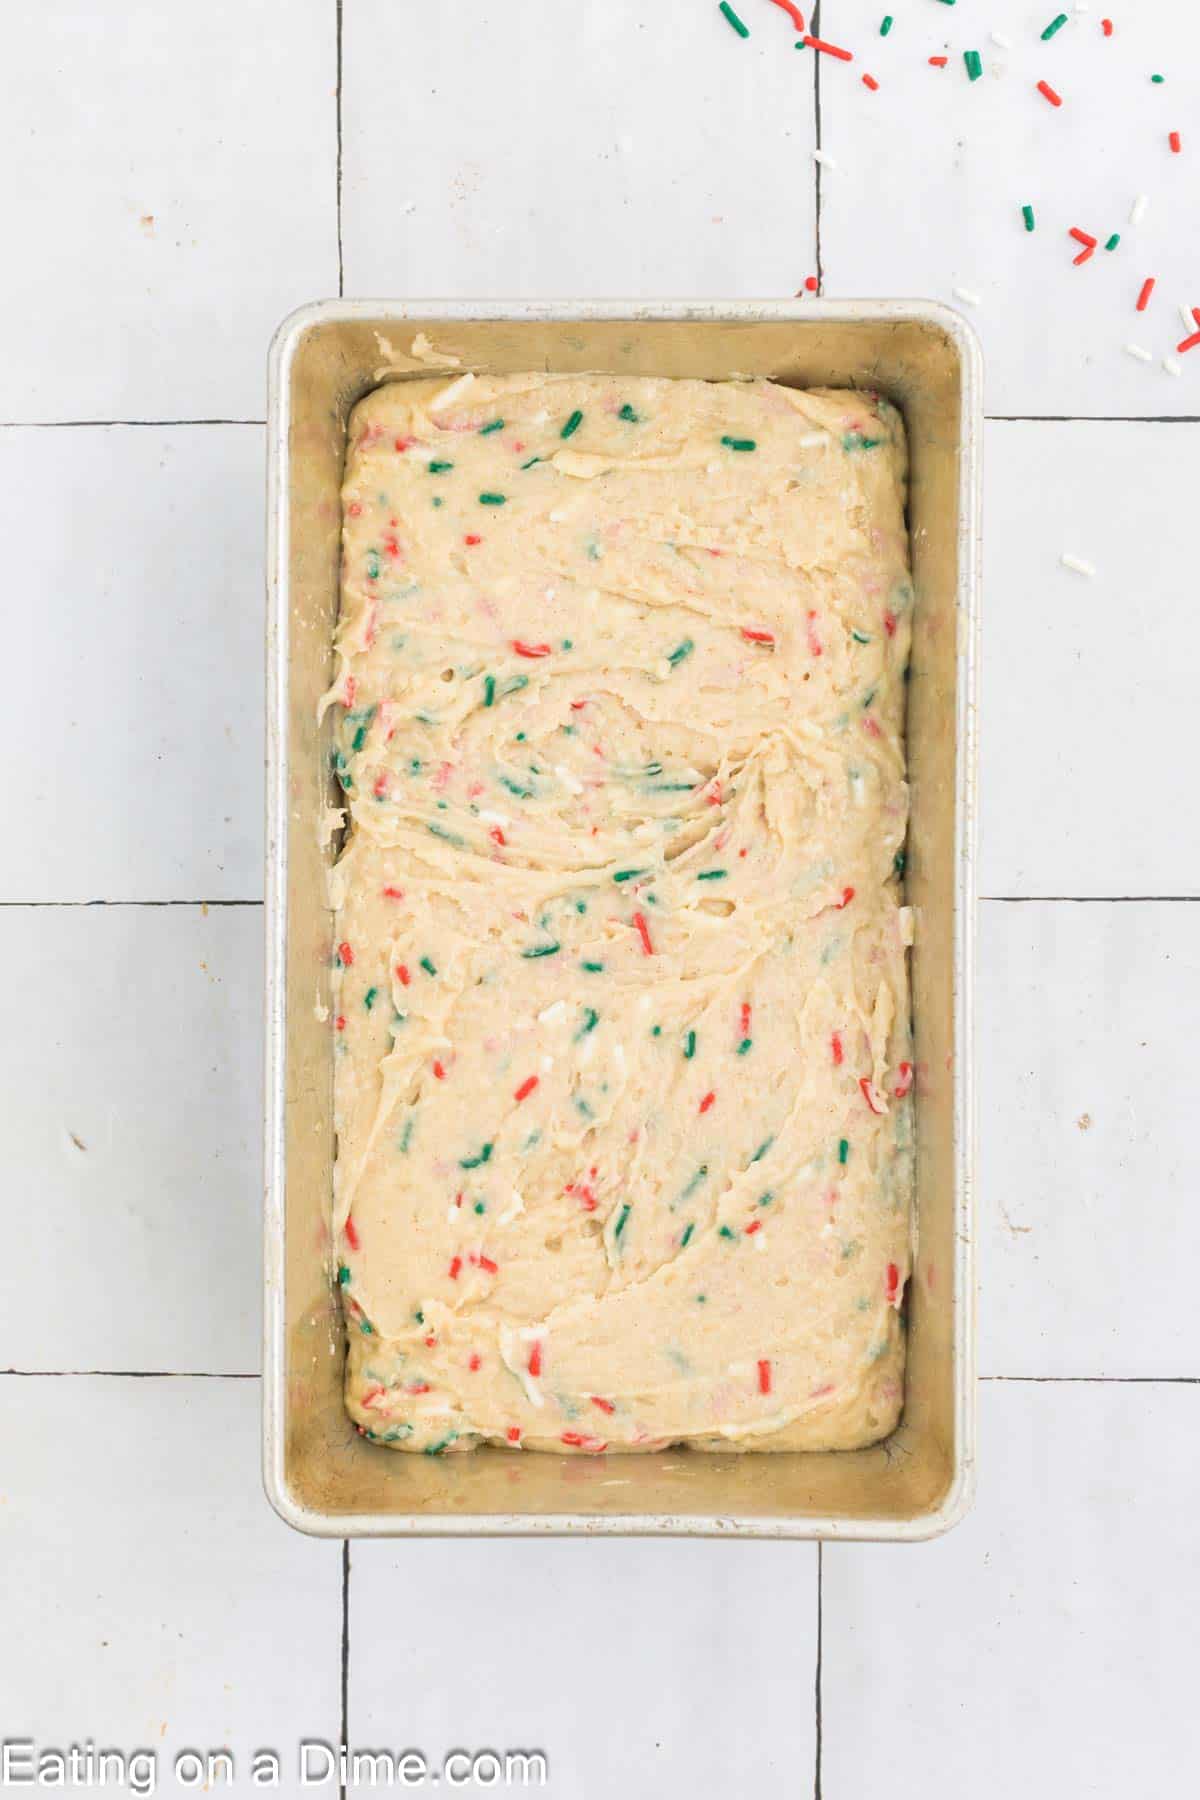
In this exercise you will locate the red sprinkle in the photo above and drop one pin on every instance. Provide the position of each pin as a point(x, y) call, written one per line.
point(402, 974)
point(475, 1361)
point(847, 897)
point(1044, 88)
point(372, 1394)
point(497, 836)
point(579, 1440)
point(523, 649)
point(744, 1019)
point(764, 1376)
point(755, 1225)
point(889, 623)
point(404, 443)
point(381, 784)
point(339, 1024)
point(835, 1044)
point(1106, 27)
point(438, 1070)
point(1147, 289)
point(393, 893)
point(345, 955)
point(513, 1434)
point(606, 1406)
point(938, 62)
point(707, 1101)
point(869, 81)
point(643, 931)
point(1175, 141)
point(487, 1265)
point(869, 1094)
point(757, 637)
point(472, 539)
point(352, 1237)
point(1189, 343)
point(793, 13)
point(905, 1082)
point(893, 1281)
point(455, 1266)
point(812, 283)
point(526, 1088)
point(816, 43)
point(814, 642)
point(354, 509)
point(535, 1357)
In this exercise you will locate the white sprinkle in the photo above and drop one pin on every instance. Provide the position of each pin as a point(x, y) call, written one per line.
point(966, 296)
point(998, 38)
point(812, 440)
point(1137, 211)
point(552, 1012)
point(1077, 563)
point(823, 157)
point(495, 818)
point(513, 1210)
point(1136, 350)
point(568, 780)
point(1172, 365)
point(1185, 313)
point(556, 515)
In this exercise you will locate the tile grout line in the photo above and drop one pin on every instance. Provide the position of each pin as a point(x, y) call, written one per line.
point(815, 22)
point(133, 1374)
point(1089, 899)
point(341, 262)
point(817, 1755)
point(345, 1674)
point(40, 905)
point(107, 424)
point(1104, 1380)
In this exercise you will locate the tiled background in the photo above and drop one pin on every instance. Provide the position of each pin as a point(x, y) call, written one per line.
point(173, 189)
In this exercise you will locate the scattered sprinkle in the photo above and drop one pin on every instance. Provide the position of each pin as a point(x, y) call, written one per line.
point(742, 30)
point(1137, 351)
point(1048, 93)
point(1113, 241)
point(1144, 293)
point(967, 296)
point(885, 25)
point(938, 62)
point(1054, 25)
point(1137, 211)
point(1175, 141)
point(1077, 563)
point(1171, 366)
point(973, 63)
point(1027, 215)
point(824, 159)
point(816, 43)
point(1001, 42)
point(869, 81)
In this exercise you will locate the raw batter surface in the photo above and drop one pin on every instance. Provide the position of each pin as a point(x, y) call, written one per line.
point(623, 1064)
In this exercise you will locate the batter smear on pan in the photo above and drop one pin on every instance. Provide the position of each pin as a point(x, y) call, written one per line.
point(621, 1018)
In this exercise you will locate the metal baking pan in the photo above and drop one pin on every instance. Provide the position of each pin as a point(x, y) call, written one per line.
point(320, 1476)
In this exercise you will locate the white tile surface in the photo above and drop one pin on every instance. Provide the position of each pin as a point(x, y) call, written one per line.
point(136, 706)
point(575, 151)
point(1087, 756)
point(1088, 1160)
point(139, 1037)
point(649, 1670)
point(1047, 1646)
point(151, 1598)
point(176, 196)
point(934, 169)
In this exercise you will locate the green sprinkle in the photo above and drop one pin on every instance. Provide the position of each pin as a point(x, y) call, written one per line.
point(1027, 215)
point(681, 651)
point(744, 1046)
point(762, 1149)
point(689, 1045)
point(732, 443)
point(442, 1444)
point(370, 997)
point(428, 966)
point(419, 1316)
point(436, 501)
point(487, 430)
point(686, 1239)
point(860, 637)
point(765, 1199)
point(885, 25)
point(743, 31)
point(627, 413)
point(843, 1151)
point(898, 862)
point(1157, 78)
point(343, 1275)
point(572, 425)
point(489, 690)
point(656, 1031)
point(526, 465)
point(974, 64)
point(1113, 241)
point(406, 1137)
point(514, 787)
point(1054, 25)
point(590, 1020)
point(475, 1162)
point(854, 440)
point(628, 874)
point(622, 1220)
point(694, 1183)
point(372, 564)
point(440, 468)
point(541, 950)
point(593, 968)
point(366, 1327)
point(439, 831)
point(725, 1232)
point(359, 738)
point(480, 1206)
point(712, 874)
point(492, 500)
point(582, 1107)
